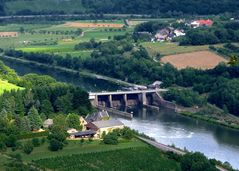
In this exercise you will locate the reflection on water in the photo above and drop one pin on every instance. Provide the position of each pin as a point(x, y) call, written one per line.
point(170, 128)
point(89, 84)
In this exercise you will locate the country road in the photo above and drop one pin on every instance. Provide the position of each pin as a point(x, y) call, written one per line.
point(166, 148)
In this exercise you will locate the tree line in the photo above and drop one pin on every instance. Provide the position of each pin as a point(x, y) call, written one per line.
point(219, 33)
point(151, 7)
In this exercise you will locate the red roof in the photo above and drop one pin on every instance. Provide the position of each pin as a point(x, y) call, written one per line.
point(205, 22)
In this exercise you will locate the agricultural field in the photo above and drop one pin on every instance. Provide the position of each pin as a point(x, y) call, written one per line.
point(75, 147)
point(166, 48)
point(5, 86)
point(139, 158)
point(93, 25)
point(57, 38)
point(199, 60)
point(134, 22)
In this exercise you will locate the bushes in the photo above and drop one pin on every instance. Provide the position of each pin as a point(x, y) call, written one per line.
point(186, 98)
point(111, 138)
point(33, 135)
point(196, 162)
point(28, 147)
point(55, 145)
point(36, 142)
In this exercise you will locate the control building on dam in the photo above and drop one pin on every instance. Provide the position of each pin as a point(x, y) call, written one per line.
point(127, 98)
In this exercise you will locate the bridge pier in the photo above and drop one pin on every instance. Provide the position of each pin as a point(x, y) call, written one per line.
point(110, 101)
point(125, 100)
point(144, 98)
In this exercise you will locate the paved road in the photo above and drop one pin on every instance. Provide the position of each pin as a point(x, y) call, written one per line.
point(167, 148)
point(162, 146)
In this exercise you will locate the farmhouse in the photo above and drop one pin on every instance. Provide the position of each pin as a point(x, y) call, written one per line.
point(200, 23)
point(104, 126)
point(82, 134)
point(47, 123)
point(8, 34)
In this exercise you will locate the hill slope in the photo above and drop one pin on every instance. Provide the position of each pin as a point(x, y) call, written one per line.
point(154, 7)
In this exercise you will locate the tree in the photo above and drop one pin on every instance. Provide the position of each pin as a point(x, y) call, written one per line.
point(57, 137)
point(11, 141)
point(196, 162)
point(28, 147)
point(55, 145)
point(46, 107)
point(127, 133)
point(36, 142)
point(34, 119)
point(73, 121)
point(60, 121)
point(111, 138)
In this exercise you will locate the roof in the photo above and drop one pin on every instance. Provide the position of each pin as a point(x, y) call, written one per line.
point(97, 116)
point(203, 22)
point(84, 133)
point(107, 123)
point(48, 122)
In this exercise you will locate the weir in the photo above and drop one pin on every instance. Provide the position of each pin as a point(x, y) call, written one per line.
point(112, 100)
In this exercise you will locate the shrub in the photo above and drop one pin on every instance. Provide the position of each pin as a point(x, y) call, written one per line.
point(36, 142)
point(111, 138)
point(28, 147)
point(55, 145)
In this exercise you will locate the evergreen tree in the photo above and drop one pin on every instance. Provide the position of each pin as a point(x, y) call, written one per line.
point(34, 118)
point(46, 107)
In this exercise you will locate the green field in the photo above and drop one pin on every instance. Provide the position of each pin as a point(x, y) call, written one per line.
point(62, 43)
point(137, 158)
point(165, 48)
point(5, 86)
point(75, 147)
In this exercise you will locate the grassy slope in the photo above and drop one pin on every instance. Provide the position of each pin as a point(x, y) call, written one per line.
point(75, 147)
point(140, 158)
point(4, 85)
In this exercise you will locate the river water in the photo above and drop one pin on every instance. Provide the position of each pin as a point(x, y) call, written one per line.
point(165, 125)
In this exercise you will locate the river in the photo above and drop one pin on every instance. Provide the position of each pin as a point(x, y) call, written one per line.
point(165, 126)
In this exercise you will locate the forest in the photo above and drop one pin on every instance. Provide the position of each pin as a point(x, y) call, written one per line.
point(218, 33)
point(151, 7)
point(23, 111)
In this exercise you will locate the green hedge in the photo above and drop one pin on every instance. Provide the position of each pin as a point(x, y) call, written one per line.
point(33, 135)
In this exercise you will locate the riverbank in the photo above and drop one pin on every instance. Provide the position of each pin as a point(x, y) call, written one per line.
point(220, 118)
point(84, 73)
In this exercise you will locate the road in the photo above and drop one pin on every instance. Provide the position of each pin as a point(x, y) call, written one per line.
point(166, 148)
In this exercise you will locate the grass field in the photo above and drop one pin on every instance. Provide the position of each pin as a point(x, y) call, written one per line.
point(75, 147)
point(5, 86)
point(200, 60)
point(33, 40)
point(138, 158)
point(165, 48)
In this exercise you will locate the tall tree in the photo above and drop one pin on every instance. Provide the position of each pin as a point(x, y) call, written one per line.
point(34, 119)
point(73, 121)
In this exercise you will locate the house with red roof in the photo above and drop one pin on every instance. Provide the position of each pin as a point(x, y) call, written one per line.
point(200, 23)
